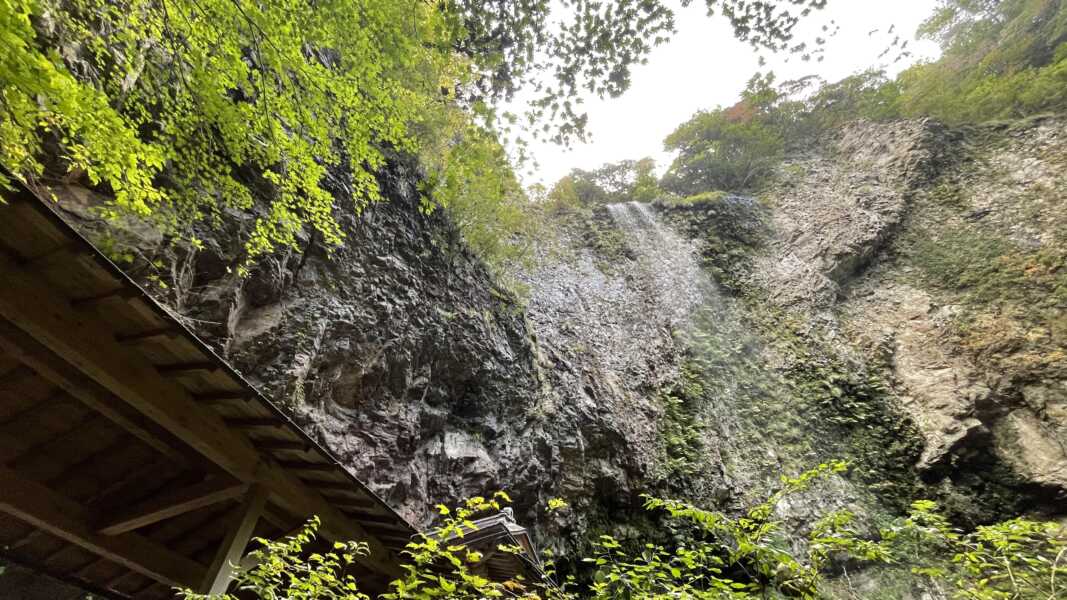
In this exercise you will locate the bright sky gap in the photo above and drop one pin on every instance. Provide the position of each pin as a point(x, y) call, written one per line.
point(704, 66)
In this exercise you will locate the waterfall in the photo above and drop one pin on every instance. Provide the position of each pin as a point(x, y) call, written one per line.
point(668, 264)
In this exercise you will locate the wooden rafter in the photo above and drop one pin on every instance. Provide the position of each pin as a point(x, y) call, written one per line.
point(218, 396)
point(118, 292)
point(18, 343)
point(82, 342)
point(282, 445)
point(252, 422)
point(184, 368)
point(54, 439)
point(60, 252)
point(303, 465)
point(172, 503)
point(42, 508)
point(165, 331)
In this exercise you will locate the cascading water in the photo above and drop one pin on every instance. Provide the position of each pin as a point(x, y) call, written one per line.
point(666, 261)
point(741, 392)
point(656, 374)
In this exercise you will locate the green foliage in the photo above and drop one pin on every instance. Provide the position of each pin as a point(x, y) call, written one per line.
point(556, 504)
point(853, 409)
point(287, 569)
point(191, 106)
point(645, 187)
point(735, 148)
point(184, 109)
point(990, 269)
point(711, 556)
point(1000, 60)
point(695, 200)
point(681, 429)
point(1010, 296)
point(441, 566)
point(724, 149)
point(1017, 558)
point(625, 181)
point(754, 544)
point(716, 556)
point(471, 175)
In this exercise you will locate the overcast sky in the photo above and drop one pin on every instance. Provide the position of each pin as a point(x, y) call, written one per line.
point(703, 66)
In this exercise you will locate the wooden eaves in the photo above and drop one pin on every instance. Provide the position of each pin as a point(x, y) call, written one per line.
point(133, 459)
point(489, 535)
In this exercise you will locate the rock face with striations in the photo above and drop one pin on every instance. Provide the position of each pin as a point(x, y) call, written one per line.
point(397, 350)
point(896, 299)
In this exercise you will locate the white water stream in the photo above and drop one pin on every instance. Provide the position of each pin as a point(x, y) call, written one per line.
point(669, 264)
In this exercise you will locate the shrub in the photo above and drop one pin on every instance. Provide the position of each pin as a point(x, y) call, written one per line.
point(714, 556)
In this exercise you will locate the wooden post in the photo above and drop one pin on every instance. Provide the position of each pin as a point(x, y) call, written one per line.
point(220, 572)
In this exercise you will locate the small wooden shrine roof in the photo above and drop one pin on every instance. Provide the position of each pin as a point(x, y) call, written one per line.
point(492, 532)
point(133, 459)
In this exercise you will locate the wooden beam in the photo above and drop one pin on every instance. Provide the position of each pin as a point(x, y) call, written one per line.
point(337, 486)
point(32, 408)
point(184, 368)
point(86, 345)
point(217, 396)
point(29, 538)
point(44, 509)
point(65, 251)
point(220, 572)
point(253, 422)
point(167, 331)
point(282, 445)
point(303, 465)
point(13, 448)
point(118, 292)
point(172, 503)
point(21, 345)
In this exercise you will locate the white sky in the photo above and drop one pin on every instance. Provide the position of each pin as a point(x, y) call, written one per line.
point(704, 66)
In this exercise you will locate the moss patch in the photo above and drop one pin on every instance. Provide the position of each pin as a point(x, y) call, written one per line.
point(681, 428)
point(607, 241)
point(851, 409)
point(1012, 296)
point(731, 231)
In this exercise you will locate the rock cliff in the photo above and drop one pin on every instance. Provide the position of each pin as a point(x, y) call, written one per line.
point(895, 298)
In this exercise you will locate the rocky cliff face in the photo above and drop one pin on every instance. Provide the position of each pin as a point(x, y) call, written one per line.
point(932, 261)
point(896, 299)
point(397, 350)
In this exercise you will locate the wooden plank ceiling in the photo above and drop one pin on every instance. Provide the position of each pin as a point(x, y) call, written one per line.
point(132, 458)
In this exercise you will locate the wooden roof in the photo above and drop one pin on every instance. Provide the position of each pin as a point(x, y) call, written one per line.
point(488, 534)
point(132, 458)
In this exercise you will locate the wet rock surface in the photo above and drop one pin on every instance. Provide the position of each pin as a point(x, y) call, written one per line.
point(931, 255)
point(397, 350)
point(695, 352)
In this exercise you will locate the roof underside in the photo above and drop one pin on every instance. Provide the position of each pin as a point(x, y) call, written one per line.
point(126, 444)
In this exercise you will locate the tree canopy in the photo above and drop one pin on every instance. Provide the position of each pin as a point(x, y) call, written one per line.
point(624, 181)
point(1001, 59)
point(181, 109)
point(726, 149)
